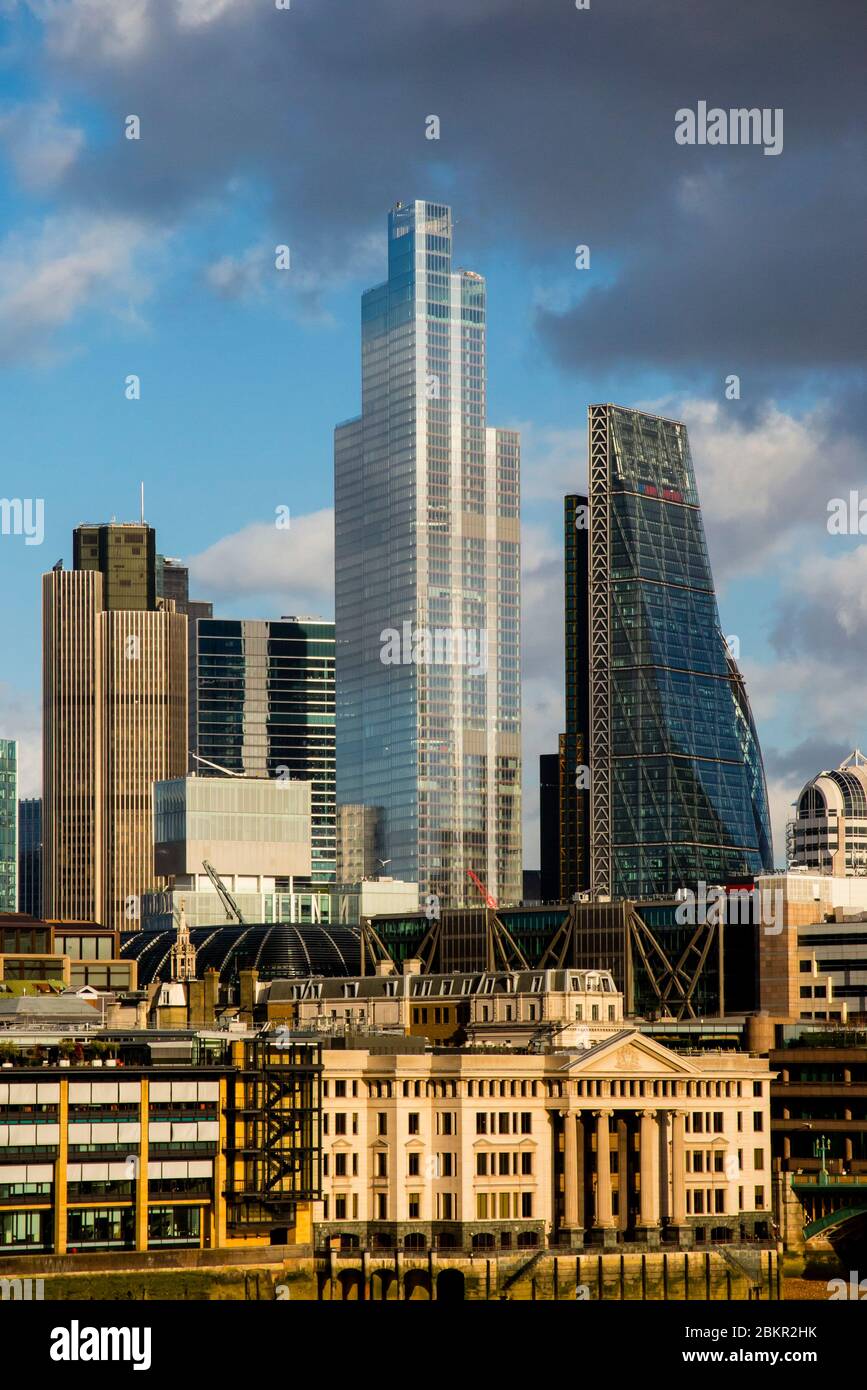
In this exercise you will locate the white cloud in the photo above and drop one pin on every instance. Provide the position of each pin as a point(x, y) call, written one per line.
point(63, 267)
point(553, 461)
point(41, 148)
point(294, 567)
point(107, 30)
point(19, 719)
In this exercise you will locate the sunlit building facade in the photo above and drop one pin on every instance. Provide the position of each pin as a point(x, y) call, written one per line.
point(427, 575)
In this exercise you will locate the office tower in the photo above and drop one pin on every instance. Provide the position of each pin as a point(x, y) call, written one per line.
point(8, 825)
point(30, 855)
point(173, 581)
point(549, 827)
point(829, 829)
point(124, 553)
point(677, 782)
point(427, 576)
point(266, 709)
point(114, 722)
point(573, 745)
point(359, 848)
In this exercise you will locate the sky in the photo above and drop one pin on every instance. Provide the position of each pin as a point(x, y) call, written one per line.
point(262, 127)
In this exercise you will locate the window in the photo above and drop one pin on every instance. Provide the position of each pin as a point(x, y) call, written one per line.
point(526, 1163)
point(340, 1165)
point(717, 1122)
point(482, 1206)
point(758, 1159)
point(414, 1201)
point(414, 1122)
point(381, 1122)
point(481, 1165)
point(481, 1123)
point(340, 1089)
point(339, 1208)
point(340, 1124)
point(758, 1121)
point(526, 1122)
point(504, 1165)
point(719, 1200)
point(381, 1164)
point(760, 1198)
point(381, 1206)
point(526, 1204)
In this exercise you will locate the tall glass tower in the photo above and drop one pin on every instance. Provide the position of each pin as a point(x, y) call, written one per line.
point(265, 708)
point(677, 783)
point(427, 578)
point(8, 825)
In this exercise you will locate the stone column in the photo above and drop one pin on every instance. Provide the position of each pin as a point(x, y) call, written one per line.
point(573, 1168)
point(678, 1175)
point(648, 1222)
point(603, 1219)
point(570, 1171)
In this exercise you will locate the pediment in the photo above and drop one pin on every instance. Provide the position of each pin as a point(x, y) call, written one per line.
point(632, 1054)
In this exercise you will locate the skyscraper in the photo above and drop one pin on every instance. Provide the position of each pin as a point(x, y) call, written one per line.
point(30, 855)
point(266, 709)
point(677, 783)
point(114, 722)
point(8, 825)
point(427, 579)
point(173, 581)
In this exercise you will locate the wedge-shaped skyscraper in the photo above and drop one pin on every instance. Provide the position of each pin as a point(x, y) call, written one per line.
point(677, 786)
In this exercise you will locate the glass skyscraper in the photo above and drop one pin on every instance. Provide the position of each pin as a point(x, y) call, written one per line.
point(427, 579)
point(677, 783)
point(8, 825)
point(265, 708)
point(30, 855)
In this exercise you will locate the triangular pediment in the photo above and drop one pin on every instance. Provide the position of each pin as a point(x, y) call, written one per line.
point(631, 1053)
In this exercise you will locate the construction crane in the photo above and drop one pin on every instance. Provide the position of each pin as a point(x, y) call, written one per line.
point(489, 901)
point(232, 908)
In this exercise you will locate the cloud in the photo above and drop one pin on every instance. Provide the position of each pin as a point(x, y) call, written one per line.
point(59, 268)
point(542, 658)
point(727, 261)
point(40, 147)
point(19, 719)
point(292, 567)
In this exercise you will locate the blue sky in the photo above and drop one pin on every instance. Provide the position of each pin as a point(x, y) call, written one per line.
point(156, 258)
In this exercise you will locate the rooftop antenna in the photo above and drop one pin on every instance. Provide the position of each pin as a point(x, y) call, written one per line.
point(142, 504)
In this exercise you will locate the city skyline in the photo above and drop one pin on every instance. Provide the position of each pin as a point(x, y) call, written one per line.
point(244, 369)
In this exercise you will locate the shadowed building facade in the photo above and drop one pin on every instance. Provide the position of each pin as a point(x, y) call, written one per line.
point(677, 786)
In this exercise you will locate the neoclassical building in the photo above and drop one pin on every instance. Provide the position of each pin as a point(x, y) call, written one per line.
point(624, 1141)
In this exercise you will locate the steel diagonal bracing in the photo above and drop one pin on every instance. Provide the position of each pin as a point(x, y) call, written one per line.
point(600, 651)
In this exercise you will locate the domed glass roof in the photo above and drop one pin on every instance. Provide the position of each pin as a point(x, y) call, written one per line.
point(278, 950)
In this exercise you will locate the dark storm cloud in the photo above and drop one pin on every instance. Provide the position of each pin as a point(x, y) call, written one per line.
point(557, 128)
point(804, 760)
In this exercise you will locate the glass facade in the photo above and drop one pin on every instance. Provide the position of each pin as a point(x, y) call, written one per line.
point(427, 544)
point(265, 707)
point(30, 856)
point(678, 789)
point(125, 555)
point(8, 825)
